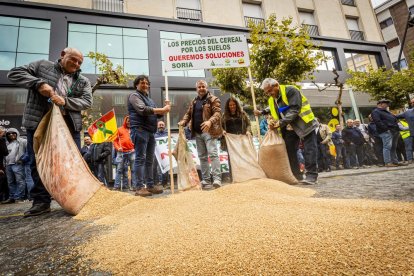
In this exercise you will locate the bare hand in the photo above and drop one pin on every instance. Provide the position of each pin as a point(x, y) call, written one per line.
point(167, 108)
point(46, 90)
point(224, 132)
point(205, 126)
point(181, 123)
point(167, 102)
point(257, 112)
point(58, 100)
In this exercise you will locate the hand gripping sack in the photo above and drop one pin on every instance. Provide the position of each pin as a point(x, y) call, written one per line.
point(243, 158)
point(187, 176)
point(63, 171)
point(273, 158)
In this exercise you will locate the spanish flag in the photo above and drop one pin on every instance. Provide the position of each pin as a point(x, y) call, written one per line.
point(104, 129)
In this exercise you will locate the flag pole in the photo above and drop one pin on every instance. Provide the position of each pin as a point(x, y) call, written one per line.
point(169, 137)
point(254, 103)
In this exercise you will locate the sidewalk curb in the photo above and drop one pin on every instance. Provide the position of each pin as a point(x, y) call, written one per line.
point(362, 171)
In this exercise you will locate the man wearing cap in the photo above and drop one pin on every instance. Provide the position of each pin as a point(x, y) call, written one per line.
point(388, 130)
point(408, 115)
point(291, 112)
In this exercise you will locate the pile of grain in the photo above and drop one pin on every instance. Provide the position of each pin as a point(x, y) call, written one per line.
point(258, 227)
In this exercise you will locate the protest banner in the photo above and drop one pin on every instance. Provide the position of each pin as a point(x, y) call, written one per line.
point(206, 53)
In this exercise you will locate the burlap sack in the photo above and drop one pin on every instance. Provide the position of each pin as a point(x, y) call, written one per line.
point(187, 176)
point(274, 160)
point(61, 167)
point(243, 158)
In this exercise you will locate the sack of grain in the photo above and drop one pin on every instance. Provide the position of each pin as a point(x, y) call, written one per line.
point(243, 158)
point(187, 176)
point(63, 171)
point(273, 158)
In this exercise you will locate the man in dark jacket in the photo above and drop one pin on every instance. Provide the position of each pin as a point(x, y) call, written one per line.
point(4, 189)
point(204, 118)
point(59, 83)
point(354, 144)
point(388, 130)
point(408, 115)
point(143, 115)
point(98, 155)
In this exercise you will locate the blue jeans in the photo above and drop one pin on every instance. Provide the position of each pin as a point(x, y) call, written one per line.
point(15, 179)
point(28, 177)
point(144, 143)
point(125, 159)
point(99, 171)
point(389, 146)
point(409, 147)
point(207, 147)
point(39, 192)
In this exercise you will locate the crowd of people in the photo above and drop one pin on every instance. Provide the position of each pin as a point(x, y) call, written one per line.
point(311, 146)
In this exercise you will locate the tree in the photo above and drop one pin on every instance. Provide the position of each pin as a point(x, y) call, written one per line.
point(108, 75)
point(381, 83)
point(278, 51)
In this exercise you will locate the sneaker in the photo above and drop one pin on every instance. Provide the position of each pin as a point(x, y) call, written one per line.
point(391, 165)
point(409, 162)
point(9, 201)
point(143, 192)
point(116, 189)
point(208, 187)
point(402, 164)
point(216, 184)
point(309, 182)
point(157, 189)
point(37, 209)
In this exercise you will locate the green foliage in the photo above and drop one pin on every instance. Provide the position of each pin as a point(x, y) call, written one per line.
point(278, 51)
point(381, 83)
point(107, 73)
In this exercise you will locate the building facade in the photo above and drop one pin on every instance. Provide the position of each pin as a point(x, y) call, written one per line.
point(392, 16)
point(131, 33)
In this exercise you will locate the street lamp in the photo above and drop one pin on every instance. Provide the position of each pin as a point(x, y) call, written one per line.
point(410, 23)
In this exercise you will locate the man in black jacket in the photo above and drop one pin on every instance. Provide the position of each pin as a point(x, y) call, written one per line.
point(388, 131)
point(354, 142)
point(60, 83)
point(98, 156)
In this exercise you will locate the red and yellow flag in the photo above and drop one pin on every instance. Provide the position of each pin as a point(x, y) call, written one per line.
point(104, 129)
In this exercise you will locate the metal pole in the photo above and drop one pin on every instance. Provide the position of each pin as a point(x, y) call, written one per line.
point(169, 137)
point(254, 103)
point(354, 105)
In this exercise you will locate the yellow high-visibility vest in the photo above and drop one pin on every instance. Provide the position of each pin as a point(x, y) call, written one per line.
point(305, 113)
point(404, 133)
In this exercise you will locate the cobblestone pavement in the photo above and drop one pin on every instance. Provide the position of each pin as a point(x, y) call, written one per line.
point(42, 245)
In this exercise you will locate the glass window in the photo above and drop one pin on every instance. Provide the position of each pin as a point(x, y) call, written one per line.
point(135, 47)
point(33, 41)
point(387, 22)
point(352, 24)
point(9, 44)
point(252, 10)
point(189, 4)
point(27, 41)
point(167, 36)
point(393, 43)
point(361, 61)
point(307, 18)
point(124, 46)
point(331, 61)
point(7, 60)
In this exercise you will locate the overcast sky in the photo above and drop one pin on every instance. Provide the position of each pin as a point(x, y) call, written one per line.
point(377, 2)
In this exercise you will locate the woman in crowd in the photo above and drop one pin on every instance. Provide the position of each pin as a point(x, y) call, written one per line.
point(234, 121)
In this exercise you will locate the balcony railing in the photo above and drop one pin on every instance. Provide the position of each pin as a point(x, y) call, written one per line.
point(255, 20)
point(311, 29)
point(189, 14)
point(348, 2)
point(108, 5)
point(356, 35)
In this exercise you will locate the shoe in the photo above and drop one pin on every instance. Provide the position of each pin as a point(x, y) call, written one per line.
point(116, 189)
point(132, 188)
point(409, 162)
point(328, 170)
point(366, 167)
point(157, 189)
point(402, 164)
point(391, 165)
point(9, 201)
point(309, 182)
point(208, 187)
point(37, 209)
point(216, 184)
point(143, 192)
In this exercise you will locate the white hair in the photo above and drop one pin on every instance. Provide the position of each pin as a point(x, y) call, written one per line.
point(203, 81)
point(268, 82)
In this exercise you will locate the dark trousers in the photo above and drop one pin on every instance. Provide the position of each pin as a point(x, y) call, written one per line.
point(39, 192)
point(355, 154)
point(341, 156)
point(378, 150)
point(324, 160)
point(310, 153)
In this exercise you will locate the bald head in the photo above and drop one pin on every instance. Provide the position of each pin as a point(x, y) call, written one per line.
point(71, 60)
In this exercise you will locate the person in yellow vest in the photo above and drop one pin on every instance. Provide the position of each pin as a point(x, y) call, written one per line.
point(405, 135)
point(291, 112)
point(408, 115)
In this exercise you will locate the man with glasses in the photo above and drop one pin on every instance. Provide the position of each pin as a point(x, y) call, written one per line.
point(48, 82)
point(291, 112)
